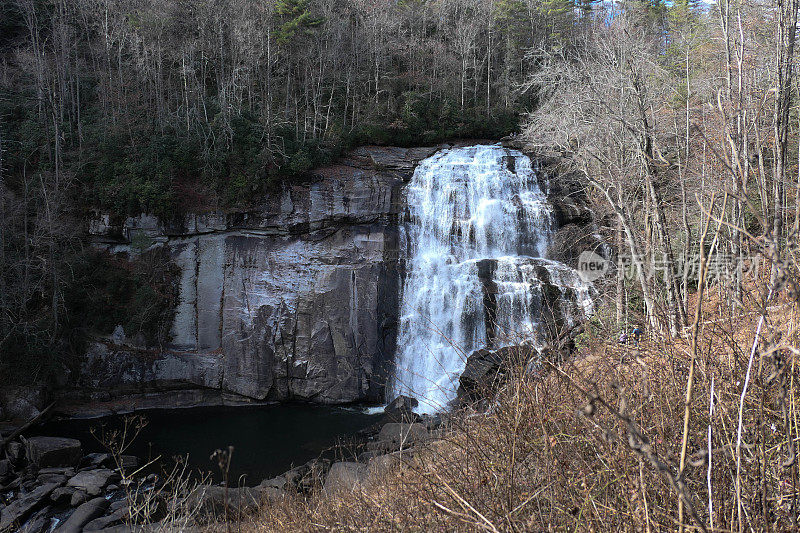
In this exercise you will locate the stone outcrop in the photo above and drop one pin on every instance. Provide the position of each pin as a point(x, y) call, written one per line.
point(484, 369)
point(397, 436)
point(344, 477)
point(296, 299)
point(37, 499)
point(92, 482)
point(83, 515)
point(19, 509)
point(576, 224)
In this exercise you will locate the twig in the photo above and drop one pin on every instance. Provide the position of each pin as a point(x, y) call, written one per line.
point(695, 329)
point(741, 413)
point(466, 505)
point(710, 455)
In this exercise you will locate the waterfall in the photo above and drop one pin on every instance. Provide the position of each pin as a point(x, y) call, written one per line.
point(477, 236)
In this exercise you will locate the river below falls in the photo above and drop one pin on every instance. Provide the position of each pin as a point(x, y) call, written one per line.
point(267, 440)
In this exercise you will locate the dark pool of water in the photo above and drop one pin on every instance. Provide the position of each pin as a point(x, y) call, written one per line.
point(267, 440)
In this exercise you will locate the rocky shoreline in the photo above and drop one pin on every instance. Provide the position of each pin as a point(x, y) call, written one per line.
point(47, 484)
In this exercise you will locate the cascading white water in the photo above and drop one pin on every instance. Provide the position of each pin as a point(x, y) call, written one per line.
point(469, 205)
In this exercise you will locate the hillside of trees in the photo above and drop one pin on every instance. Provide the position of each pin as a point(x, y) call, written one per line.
point(686, 129)
point(672, 111)
point(153, 105)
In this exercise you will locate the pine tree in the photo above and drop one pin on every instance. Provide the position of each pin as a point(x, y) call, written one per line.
point(295, 18)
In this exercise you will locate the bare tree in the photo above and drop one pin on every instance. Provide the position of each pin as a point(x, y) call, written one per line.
point(601, 108)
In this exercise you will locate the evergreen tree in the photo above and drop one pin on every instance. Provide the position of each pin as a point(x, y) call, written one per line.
point(294, 17)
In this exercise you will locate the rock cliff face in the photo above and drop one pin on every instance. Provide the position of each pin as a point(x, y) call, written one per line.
point(294, 300)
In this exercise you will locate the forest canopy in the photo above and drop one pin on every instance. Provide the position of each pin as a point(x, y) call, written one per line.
point(152, 105)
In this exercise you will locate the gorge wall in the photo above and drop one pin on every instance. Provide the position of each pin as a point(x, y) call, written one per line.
point(294, 300)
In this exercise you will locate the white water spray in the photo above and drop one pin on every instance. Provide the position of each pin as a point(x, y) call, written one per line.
point(467, 206)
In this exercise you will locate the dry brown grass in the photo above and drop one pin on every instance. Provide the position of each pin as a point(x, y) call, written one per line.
point(546, 458)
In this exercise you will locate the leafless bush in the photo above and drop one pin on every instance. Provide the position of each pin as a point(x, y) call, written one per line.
point(165, 501)
point(595, 443)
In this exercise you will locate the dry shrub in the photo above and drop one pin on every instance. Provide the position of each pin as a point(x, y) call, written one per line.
point(594, 444)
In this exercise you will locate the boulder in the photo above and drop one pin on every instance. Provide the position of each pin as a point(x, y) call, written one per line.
point(306, 477)
point(117, 505)
point(116, 517)
point(39, 522)
point(396, 436)
point(5, 467)
point(278, 482)
point(344, 476)
point(22, 507)
point(364, 457)
point(481, 373)
point(106, 460)
point(381, 464)
point(78, 497)
point(47, 452)
point(402, 402)
point(212, 498)
point(93, 481)
point(43, 479)
point(401, 409)
point(62, 495)
point(12, 485)
point(293, 478)
point(84, 514)
point(97, 460)
point(403, 434)
point(62, 470)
